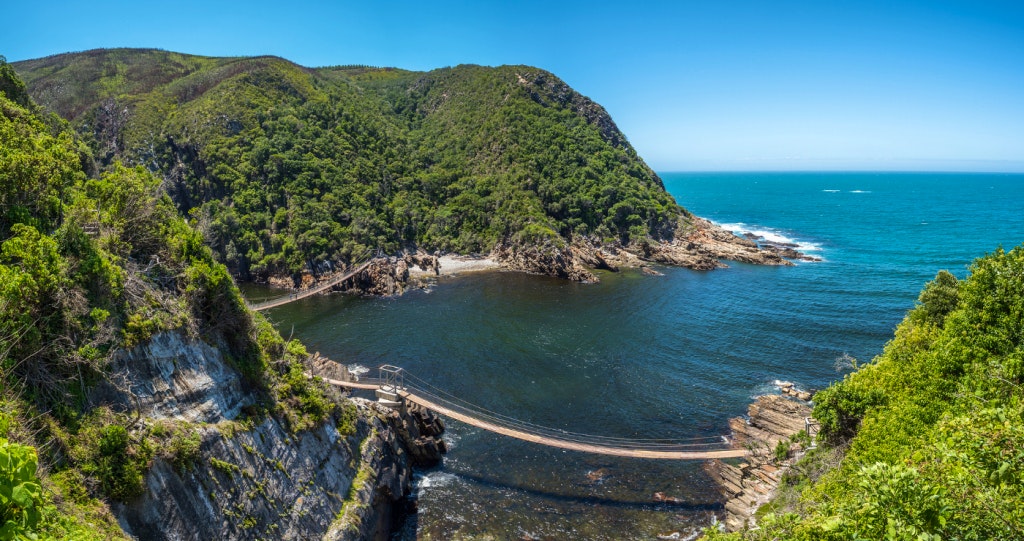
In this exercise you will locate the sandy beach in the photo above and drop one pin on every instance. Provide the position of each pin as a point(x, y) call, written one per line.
point(457, 264)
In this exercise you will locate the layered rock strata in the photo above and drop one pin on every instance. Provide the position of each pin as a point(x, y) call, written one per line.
point(256, 477)
point(749, 484)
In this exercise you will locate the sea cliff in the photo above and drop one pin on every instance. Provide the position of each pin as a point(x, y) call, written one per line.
point(255, 476)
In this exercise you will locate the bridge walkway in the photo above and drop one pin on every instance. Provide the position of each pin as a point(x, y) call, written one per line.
point(292, 297)
point(691, 449)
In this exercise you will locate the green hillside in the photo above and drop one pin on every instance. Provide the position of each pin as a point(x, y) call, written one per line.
point(285, 168)
point(90, 266)
point(925, 442)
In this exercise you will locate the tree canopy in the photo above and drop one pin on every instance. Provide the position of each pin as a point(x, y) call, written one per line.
point(286, 168)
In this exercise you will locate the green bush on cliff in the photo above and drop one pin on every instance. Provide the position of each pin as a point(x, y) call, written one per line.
point(933, 427)
point(305, 399)
point(21, 498)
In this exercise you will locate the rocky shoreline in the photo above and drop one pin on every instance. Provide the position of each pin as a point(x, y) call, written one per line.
point(773, 432)
point(698, 244)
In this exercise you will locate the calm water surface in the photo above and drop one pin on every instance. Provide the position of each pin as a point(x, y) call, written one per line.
point(672, 356)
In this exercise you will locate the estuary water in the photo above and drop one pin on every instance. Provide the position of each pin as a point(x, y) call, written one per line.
point(658, 357)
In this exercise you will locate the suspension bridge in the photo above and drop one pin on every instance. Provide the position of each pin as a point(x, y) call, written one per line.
point(292, 297)
point(395, 386)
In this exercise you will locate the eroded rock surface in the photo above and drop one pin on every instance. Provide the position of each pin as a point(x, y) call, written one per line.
point(173, 376)
point(750, 484)
point(343, 479)
point(560, 262)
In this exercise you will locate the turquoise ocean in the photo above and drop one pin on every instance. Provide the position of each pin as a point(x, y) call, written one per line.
point(659, 357)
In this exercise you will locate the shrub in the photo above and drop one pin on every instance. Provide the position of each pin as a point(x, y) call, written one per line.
point(183, 449)
point(21, 497)
point(841, 407)
point(106, 450)
point(347, 418)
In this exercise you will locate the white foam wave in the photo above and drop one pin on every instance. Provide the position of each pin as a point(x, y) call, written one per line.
point(860, 191)
point(832, 191)
point(773, 236)
point(437, 479)
point(357, 369)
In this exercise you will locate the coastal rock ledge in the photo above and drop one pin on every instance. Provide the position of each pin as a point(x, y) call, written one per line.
point(696, 244)
point(772, 419)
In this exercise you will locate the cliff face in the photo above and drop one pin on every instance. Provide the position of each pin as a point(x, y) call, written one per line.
point(265, 482)
point(255, 478)
point(172, 376)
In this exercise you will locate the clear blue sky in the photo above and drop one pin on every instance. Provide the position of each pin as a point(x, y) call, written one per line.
point(712, 85)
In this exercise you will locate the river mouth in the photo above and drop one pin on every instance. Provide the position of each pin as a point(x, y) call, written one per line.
point(625, 358)
point(671, 356)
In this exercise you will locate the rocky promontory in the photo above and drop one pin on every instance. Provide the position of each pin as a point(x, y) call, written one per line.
point(698, 244)
point(770, 432)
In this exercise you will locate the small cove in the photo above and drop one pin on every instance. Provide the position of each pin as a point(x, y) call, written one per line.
point(672, 356)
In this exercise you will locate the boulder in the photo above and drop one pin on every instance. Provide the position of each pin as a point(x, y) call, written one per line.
point(420, 431)
point(649, 271)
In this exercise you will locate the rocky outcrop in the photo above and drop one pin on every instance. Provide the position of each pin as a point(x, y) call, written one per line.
point(173, 376)
point(788, 388)
point(256, 478)
point(386, 276)
point(646, 269)
point(266, 482)
point(698, 245)
point(701, 239)
point(748, 485)
point(550, 260)
point(420, 431)
point(326, 368)
point(593, 257)
point(787, 250)
point(383, 277)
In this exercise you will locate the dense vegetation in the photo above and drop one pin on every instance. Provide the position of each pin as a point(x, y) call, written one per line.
point(286, 169)
point(926, 441)
point(89, 265)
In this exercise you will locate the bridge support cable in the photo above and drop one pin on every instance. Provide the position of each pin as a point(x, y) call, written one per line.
point(443, 397)
point(292, 297)
point(574, 437)
point(398, 385)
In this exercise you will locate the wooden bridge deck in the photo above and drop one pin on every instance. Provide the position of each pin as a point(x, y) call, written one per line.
point(551, 441)
point(274, 303)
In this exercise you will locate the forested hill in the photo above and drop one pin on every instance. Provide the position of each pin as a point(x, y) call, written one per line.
point(285, 168)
